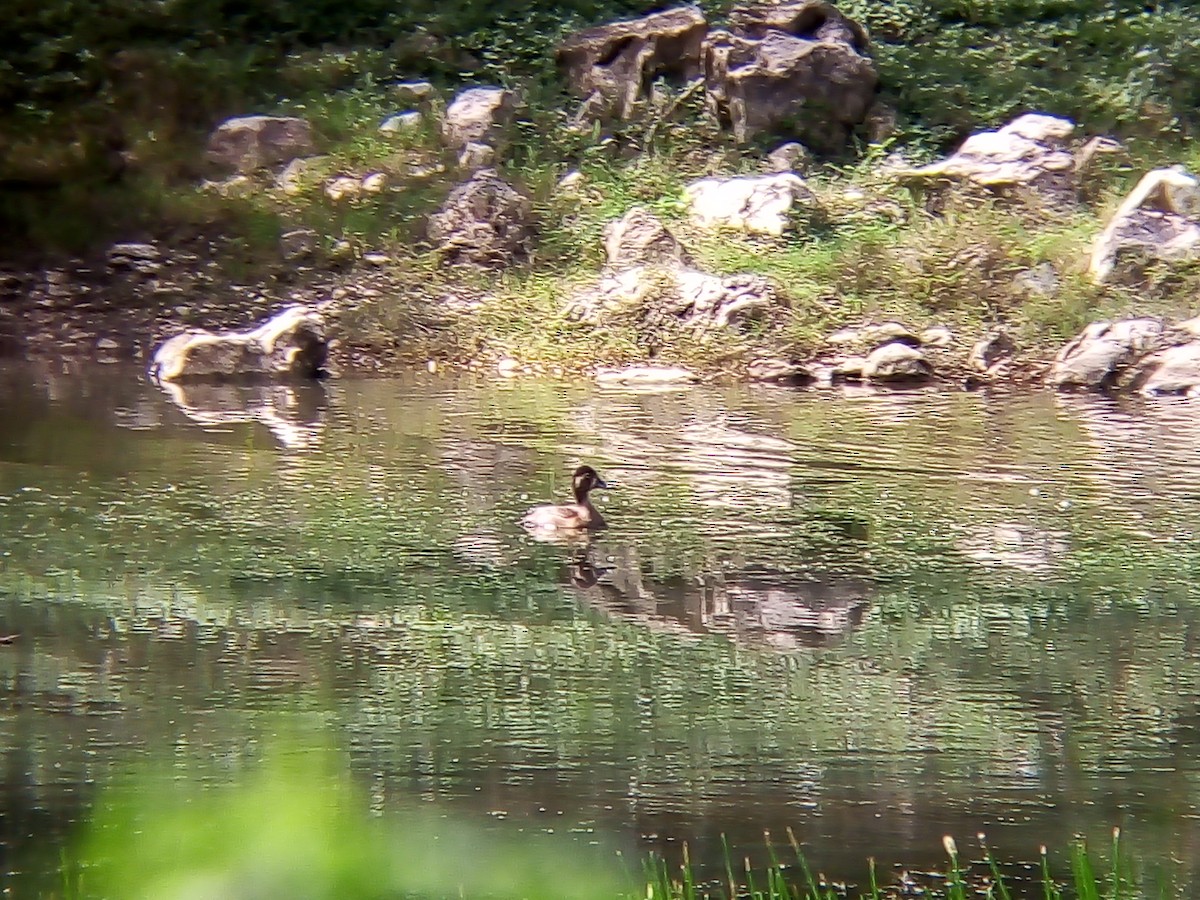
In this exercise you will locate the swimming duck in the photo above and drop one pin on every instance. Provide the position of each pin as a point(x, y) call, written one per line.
point(570, 516)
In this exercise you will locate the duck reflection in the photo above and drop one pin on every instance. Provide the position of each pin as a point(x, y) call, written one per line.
point(293, 413)
point(758, 606)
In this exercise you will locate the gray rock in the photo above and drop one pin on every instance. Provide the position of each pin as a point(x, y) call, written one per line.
point(1040, 281)
point(799, 67)
point(862, 336)
point(145, 259)
point(1160, 219)
point(991, 351)
point(757, 204)
point(401, 122)
point(1175, 370)
point(780, 371)
point(246, 143)
point(294, 175)
point(640, 238)
point(290, 344)
point(484, 222)
point(476, 116)
point(474, 156)
point(1095, 358)
point(789, 157)
point(419, 93)
point(613, 66)
point(646, 376)
point(1030, 152)
point(298, 244)
point(896, 362)
point(937, 336)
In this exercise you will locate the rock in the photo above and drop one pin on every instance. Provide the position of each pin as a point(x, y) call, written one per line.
point(636, 376)
point(640, 238)
point(572, 181)
point(880, 123)
point(896, 362)
point(1040, 281)
point(476, 115)
point(758, 204)
point(873, 335)
point(612, 66)
point(374, 182)
point(1160, 219)
point(145, 259)
point(246, 143)
point(375, 258)
point(1175, 370)
point(294, 175)
point(298, 244)
point(343, 187)
point(419, 93)
point(476, 156)
point(789, 157)
point(290, 344)
point(797, 67)
point(1028, 153)
point(991, 351)
point(711, 302)
point(484, 222)
point(848, 369)
point(401, 123)
point(780, 371)
point(1096, 357)
point(937, 336)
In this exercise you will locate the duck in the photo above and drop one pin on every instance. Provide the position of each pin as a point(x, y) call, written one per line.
point(570, 517)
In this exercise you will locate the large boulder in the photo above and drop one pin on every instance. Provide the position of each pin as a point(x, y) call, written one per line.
point(896, 362)
point(1160, 219)
point(475, 116)
point(758, 204)
point(1029, 153)
point(1175, 370)
point(484, 222)
point(612, 66)
point(798, 68)
point(291, 344)
point(246, 143)
point(1097, 357)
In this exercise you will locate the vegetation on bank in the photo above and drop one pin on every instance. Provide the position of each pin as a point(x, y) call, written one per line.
point(109, 106)
point(296, 826)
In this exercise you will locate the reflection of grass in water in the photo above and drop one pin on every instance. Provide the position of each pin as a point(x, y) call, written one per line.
point(298, 827)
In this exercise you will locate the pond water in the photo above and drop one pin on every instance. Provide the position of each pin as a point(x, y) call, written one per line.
point(875, 618)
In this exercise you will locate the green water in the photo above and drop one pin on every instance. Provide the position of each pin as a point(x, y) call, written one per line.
point(874, 618)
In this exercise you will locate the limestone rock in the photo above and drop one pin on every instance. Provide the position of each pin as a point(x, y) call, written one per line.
point(611, 66)
point(788, 157)
point(1095, 358)
point(1040, 281)
point(937, 336)
point(475, 155)
point(145, 259)
point(1175, 370)
point(1160, 219)
point(896, 362)
point(290, 344)
point(476, 115)
point(779, 371)
point(1029, 152)
point(798, 67)
point(640, 238)
point(246, 143)
point(484, 222)
point(991, 351)
point(873, 335)
point(298, 244)
point(419, 93)
point(635, 376)
point(758, 204)
point(296, 173)
point(401, 123)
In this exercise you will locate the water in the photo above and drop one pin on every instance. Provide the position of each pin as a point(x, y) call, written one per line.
point(873, 618)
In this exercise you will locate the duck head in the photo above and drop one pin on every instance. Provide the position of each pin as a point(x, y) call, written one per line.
point(584, 481)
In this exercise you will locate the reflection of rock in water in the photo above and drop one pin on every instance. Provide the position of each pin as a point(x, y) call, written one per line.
point(1146, 451)
point(1018, 546)
point(293, 413)
point(758, 606)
